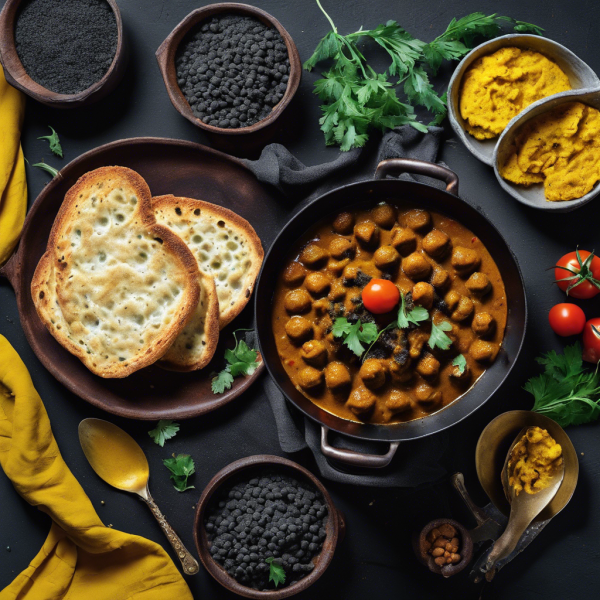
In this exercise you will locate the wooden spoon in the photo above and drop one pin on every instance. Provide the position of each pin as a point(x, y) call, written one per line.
point(118, 459)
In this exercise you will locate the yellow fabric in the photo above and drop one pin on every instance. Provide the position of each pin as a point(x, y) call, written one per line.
point(13, 185)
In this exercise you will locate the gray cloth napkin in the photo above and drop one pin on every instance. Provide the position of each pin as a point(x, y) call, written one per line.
point(416, 462)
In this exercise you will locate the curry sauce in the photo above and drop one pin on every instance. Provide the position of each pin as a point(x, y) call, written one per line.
point(436, 263)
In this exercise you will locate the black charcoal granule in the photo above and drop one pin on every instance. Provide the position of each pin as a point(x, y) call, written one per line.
point(232, 70)
point(66, 45)
point(269, 516)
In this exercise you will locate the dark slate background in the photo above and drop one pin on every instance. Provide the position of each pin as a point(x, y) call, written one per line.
point(375, 560)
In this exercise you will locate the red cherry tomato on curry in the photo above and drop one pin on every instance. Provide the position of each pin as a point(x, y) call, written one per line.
point(566, 319)
point(591, 341)
point(585, 273)
point(380, 296)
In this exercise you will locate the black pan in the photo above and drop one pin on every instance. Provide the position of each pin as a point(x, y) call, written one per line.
point(423, 196)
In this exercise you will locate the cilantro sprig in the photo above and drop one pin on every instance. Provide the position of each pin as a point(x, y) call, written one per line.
point(242, 360)
point(42, 165)
point(181, 467)
point(164, 430)
point(566, 391)
point(276, 571)
point(438, 338)
point(415, 316)
point(356, 98)
point(461, 363)
point(54, 142)
point(354, 335)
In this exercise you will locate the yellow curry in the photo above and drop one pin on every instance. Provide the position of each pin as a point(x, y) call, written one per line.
point(498, 87)
point(561, 149)
point(533, 462)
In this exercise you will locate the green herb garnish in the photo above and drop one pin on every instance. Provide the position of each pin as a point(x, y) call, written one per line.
point(415, 316)
point(54, 142)
point(461, 362)
point(165, 430)
point(438, 339)
point(242, 361)
point(181, 467)
point(356, 97)
point(354, 335)
point(566, 391)
point(42, 165)
point(276, 572)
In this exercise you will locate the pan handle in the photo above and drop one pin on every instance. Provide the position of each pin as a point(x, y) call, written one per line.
point(356, 459)
point(397, 166)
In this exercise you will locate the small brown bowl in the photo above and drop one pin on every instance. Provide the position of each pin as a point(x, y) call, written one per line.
point(17, 76)
point(466, 548)
point(166, 61)
point(335, 525)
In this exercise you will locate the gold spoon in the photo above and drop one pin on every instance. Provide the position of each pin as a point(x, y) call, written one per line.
point(524, 508)
point(118, 459)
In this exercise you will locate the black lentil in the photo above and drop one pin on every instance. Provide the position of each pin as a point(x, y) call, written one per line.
point(233, 70)
point(273, 515)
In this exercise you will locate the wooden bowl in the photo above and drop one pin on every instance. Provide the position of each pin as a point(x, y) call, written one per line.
point(335, 525)
point(17, 76)
point(166, 60)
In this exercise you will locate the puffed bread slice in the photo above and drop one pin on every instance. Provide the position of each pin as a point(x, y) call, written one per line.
point(224, 244)
point(196, 344)
point(114, 287)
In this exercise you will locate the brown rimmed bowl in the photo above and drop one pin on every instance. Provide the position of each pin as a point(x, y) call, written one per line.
point(17, 76)
point(252, 466)
point(166, 61)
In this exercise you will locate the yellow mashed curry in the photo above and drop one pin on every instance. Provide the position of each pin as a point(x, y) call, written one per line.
point(498, 87)
point(533, 461)
point(561, 149)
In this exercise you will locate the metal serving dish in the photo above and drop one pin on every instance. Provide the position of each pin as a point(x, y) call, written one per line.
point(533, 196)
point(579, 73)
point(423, 196)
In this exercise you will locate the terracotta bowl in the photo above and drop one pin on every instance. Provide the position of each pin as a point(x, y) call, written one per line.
point(15, 73)
point(335, 525)
point(166, 60)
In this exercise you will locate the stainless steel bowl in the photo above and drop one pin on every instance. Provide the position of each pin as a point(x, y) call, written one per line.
point(579, 73)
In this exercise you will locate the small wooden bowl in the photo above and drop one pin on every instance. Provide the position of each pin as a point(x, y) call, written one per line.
point(335, 525)
point(466, 548)
point(17, 76)
point(166, 61)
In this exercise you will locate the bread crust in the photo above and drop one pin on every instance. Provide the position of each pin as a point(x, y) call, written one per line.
point(52, 267)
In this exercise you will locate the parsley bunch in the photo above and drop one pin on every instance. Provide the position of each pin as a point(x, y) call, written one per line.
point(241, 361)
point(566, 391)
point(355, 97)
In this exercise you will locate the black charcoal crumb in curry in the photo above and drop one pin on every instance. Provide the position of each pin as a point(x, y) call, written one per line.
point(362, 279)
point(402, 357)
point(356, 300)
point(271, 516)
point(232, 70)
point(66, 45)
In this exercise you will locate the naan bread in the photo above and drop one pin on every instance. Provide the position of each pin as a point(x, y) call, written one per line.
point(113, 287)
point(225, 246)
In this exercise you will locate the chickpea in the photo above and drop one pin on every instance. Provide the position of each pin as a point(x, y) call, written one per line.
point(484, 352)
point(465, 260)
point(297, 301)
point(386, 258)
point(440, 279)
point(372, 373)
point(400, 373)
point(416, 340)
point(404, 240)
point(294, 274)
point(298, 329)
point(343, 223)
point(451, 300)
point(310, 378)
point(423, 294)
point(349, 275)
point(337, 376)
point(367, 233)
point(321, 306)
point(417, 219)
point(416, 266)
point(464, 309)
point(428, 367)
point(335, 267)
point(317, 284)
point(384, 215)
point(313, 256)
point(483, 324)
point(479, 284)
point(427, 396)
point(314, 353)
point(398, 402)
point(337, 292)
point(340, 247)
point(361, 401)
point(436, 243)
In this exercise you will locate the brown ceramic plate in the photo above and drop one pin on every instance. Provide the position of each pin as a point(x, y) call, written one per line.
point(169, 167)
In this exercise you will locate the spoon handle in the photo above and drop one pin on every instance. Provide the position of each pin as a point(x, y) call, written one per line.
point(188, 562)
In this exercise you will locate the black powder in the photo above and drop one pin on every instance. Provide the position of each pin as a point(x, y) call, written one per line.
point(66, 45)
point(232, 70)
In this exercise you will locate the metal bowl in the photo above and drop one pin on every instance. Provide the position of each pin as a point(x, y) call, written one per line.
point(335, 526)
point(533, 196)
point(579, 73)
point(493, 445)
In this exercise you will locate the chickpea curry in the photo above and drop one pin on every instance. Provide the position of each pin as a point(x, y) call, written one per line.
point(448, 288)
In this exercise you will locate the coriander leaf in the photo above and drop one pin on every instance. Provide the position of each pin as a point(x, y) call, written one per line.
point(352, 340)
point(367, 333)
point(165, 430)
point(54, 142)
point(353, 335)
point(276, 572)
point(523, 27)
point(222, 381)
point(341, 327)
point(438, 339)
point(415, 316)
point(181, 467)
point(328, 47)
point(42, 165)
point(461, 362)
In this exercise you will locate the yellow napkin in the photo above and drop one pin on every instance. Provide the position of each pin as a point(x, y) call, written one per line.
point(13, 186)
point(81, 559)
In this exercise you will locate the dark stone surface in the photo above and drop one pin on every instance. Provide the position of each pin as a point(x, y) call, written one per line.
point(375, 560)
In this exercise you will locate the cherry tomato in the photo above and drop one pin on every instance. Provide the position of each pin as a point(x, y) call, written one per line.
point(580, 274)
point(380, 296)
point(591, 341)
point(566, 319)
